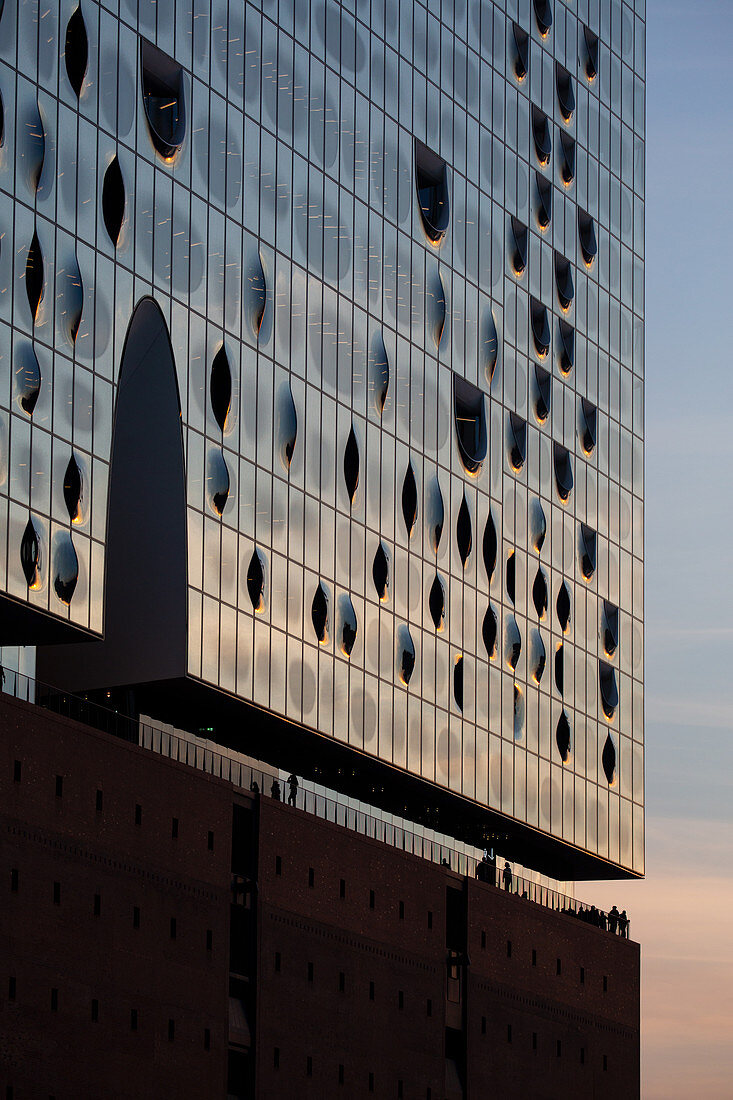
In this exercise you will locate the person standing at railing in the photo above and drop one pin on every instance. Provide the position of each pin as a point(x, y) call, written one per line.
point(623, 924)
point(275, 790)
point(613, 920)
point(292, 789)
point(507, 876)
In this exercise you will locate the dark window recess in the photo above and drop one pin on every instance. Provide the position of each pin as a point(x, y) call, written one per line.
point(565, 93)
point(217, 476)
point(319, 614)
point(210, 841)
point(73, 489)
point(563, 471)
point(163, 99)
point(518, 245)
point(171, 1030)
point(209, 939)
point(431, 181)
point(174, 828)
point(380, 572)
point(582, 975)
point(464, 536)
point(220, 387)
point(509, 949)
point(544, 200)
point(371, 991)
point(97, 905)
point(490, 547)
point(400, 1090)
point(54, 1000)
point(559, 666)
point(14, 879)
point(174, 928)
point(409, 499)
point(402, 910)
point(582, 1056)
point(436, 603)
point(534, 1040)
point(563, 607)
point(605, 983)
point(610, 627)
point(562, 737)
point(564, 281)
point(540, 327)
point(587, 551)
point(543, 15)
point(458, 683)
point(371, 899)
point(430, 919)
point(608, 760)
point(541, 135)
point(256, 581)
point(537, 523)
point(587, 234)
point(59, 786)
point(511, 576)
point(99, 802)
point(436, 514)
point(12, 988)
point(17, 769)
point(609, 691)
point(379, 372)
point(470, 421)
point(588, 425)
point(136, 916)
point(559, 1048)
point(27, 378)
point(138, 814)
point(517, 440)
point(276, 1058)
point(30, 556)
point(534, 957)
point(76, 51)
point(406, 654)
point(591, 53)
point(521, 52)
point(113, 200)
point(133, 1019)
point(278, 962)
point(567, 346)
point(342, 982)
point(371, 1081)
point(559, 966)
point(605, 1062)
point(348, 625)
point(287, 425)
point(483, 940)
point(514, 642)
point(567, 165)
point(278, 865)
point(351, 464)
point(509, 1033)
point(489, 631)
point(342, 888)
point(207, 1038)
point(311, 877)
point(34, 276)
point(341, 1074)
point(491, 344)
point(539, 594)
point(95, 1010)
point(429, 1007)
point(543, 392)
point(400, 999)
point(309, 1066)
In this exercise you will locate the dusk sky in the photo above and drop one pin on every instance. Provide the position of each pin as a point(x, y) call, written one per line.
point(683, 912)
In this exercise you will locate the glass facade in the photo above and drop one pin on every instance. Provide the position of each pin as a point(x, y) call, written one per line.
point(400, 254)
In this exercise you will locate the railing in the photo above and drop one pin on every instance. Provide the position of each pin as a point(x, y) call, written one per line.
point(341, 810)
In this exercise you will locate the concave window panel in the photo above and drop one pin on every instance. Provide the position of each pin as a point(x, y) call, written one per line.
point(587, 235)
point(470, 421)
point(380, 573)
point(491, 345)
point(256, 581)
point(66, 569)
point(431, 182)
point(567, 160)
point(544, 200)
point(409, 500)
point(217, 482)
point(565, 93)
point(32, 145)
point(435, 514)
point(541, 135)
point(405, 655)
point(562, 737)
point(563, 471)
point(435, 306)
point(588, 542)
point(458, 682)
point(220, 387)
point(591, 53)
point(163, 99)
point(490, 547)
point(521, 52)
point(540, 327)
point(519, 245)
point(347, 638)
point(379, 372)
point(489, 632)
point(76, 51)
point(319, 614)
point(537, 524)
point(538, 656)
point(560, 668)
point(517, 440)
point(511, 576)
point(73, 486)
point(30, 556)
point(588, 425)
point(543, 393)
point(609, 690)
point(567, 346)
point(27, 377)
point(539, 594)
point(610, 627)
point(563, 607)
point(564, 281)
point(256, 295)
point(519, 712)
point(113, 200)
point(34, 276)
point(543, 15)
point(287, 426)
point(351, 464)
point(513, 646)
point(436, 603)
point(608, 761)
point(70, 302)
point(464, 534)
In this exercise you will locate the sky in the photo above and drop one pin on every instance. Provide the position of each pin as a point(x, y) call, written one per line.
point(683, 912)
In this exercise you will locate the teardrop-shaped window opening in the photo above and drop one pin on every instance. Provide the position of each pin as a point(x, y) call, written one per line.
point(379, 372)
point(587, 234)
point(562, 737)
point(30, 556)
point(319, 615)
point(564, 281)
point(608, 760)
point(538, 524)
point(464, 536)
point(591, 53)
point(220, 387)
point(519, 709)
point(287, 429)
point(560, 668)
point(406, 655)
point(609, 691)
point(587, 551)
point(409, 500)
point(458, 682)
point(436, 308)
point(490, 547)
point(610, 627)
point(76, 51)
point(33, 143)
point(436, 514)
point(470, 420)
point(256, 295)
point(539, 594)
point(351, 464)
point(72, 490)
point(567, 167)
point(113, 200)
point(256, 581)
point(489, 632)
point(541, 135)
point(563, 607)
point(28, 378)
point(519, 245)
point(567, 346)
point(588, 423)
point(540, 327)
point(543, 393)
point(513, 643)
point(66, 570)
point(217, 482)
point(511, 576)
point(73, 302)
point(491, 345)
point(436, 603)
point(543, 15)
point(163, 99)
point(539, 656)
point(563, 471)
point(517, 441)
point(348, 626)
point(431, 181)
point(34, 276)
point(380, 572)
point(544, 200)
point(565, 93)
point(521, 52)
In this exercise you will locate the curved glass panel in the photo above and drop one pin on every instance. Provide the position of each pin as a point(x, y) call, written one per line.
point(567, 346)
point(436, 514)
point(564, 281)
point(588, 422)
point(490, 547)
point(544, 200)
point(563, 470)
point(380, 572)
point(609, 691)
point(565, 93)
point(220, 387)
point(537, 524)
point(379, 372)
point(560, 668)
point(587, 551)
point(511, 576)
point(34, 276)
point(66, 568)
point(287, 425)
point(256, 295)
point(409, 500)
point(405, 654)
point(491, 345)
point(470, 421)
point(489, 632)
point(27, 377)
point(608, 760)
point(217, 479)
point(163, 99)
point(30, 556)
point(543, 393)
point(348, 625)
point(319, 614)
point(540, 327)
point(76, 51)
point(539, 594)
point(517, 440)
point(591, 53)
point(256, 581)
point(436, 603)
point(458, 682)
point(562, 737)
point(541, 135)
point(563, 607)
point(521, 52)
point(610, 627)
point(519, 245)
point(513, 643)
point(587, 234)
point(73, 490)
point(431, 182)
point(464, 536)
point(538, 656)
point(113, 200)
point(543, 15)
point(567, 166)
point(351, 464)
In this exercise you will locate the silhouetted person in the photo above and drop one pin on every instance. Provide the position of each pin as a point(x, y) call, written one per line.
point(507, 876)
point(254, 787)
point(623, 924)
point(444, 862)
point(275, 790)
point(613, 918)
point(292, 789)
point(2, 677)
